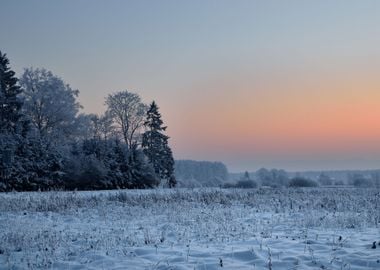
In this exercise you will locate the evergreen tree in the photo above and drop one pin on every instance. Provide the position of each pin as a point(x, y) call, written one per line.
point(141, 172)
point(156, 148)
point(169, 165)
point(10, 104)
point(10, 114)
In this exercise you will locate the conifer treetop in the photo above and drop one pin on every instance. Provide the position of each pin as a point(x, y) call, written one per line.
point(10, 104)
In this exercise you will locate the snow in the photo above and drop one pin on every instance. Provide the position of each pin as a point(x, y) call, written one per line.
point(191, 229)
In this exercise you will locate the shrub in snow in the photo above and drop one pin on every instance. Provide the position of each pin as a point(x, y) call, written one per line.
point(246, 184)
point(363, 182)
point(302, 182)
point(229, 185)
point(339, 183)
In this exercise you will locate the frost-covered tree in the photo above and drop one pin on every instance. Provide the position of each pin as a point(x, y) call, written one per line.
point(106, 127)
point(10, 103)
point(36, 166)
point(82, 127)
point(155, 146)
point(128, 112)
point(50, 103)
point(101, 126)
point(51, 110)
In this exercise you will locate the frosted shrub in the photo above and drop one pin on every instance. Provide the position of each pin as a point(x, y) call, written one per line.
point(302, 182)
point(363, 182)
point(246, 184)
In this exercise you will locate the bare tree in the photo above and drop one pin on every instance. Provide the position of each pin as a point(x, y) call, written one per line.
point(128, 112)
point(101, 126)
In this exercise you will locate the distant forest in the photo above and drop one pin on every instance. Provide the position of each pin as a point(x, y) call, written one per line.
point(190, 173)
point(46, 143)
point(281, 178)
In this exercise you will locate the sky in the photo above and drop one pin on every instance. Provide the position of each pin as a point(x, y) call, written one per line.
point(285, 84)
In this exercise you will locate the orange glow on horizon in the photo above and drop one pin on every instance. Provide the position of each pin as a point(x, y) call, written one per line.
point(339, 113)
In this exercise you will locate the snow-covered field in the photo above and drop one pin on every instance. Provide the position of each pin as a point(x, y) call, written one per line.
point(191, 229)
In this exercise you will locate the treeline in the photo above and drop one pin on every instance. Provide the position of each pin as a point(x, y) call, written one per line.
point(190, 173)
point(275, 178)
point(46, 143)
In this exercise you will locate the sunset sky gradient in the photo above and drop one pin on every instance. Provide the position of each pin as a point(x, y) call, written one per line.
point(287, 84)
